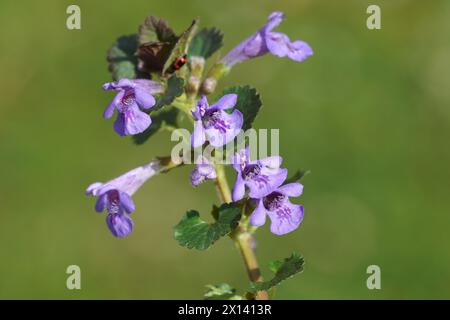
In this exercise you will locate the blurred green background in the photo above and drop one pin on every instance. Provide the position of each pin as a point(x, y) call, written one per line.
point(368, 115)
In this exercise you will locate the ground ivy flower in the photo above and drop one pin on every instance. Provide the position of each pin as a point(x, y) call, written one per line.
point(261, 176)
point(214, 124)
point(133, 96)
point(203, 171)
point(264, 41)
point(284, 215)
point(115, 197)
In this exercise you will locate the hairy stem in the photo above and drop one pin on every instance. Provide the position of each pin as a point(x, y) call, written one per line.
point(223, 190)
point(241, 236)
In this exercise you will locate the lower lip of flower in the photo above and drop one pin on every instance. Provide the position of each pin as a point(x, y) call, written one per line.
point(214, 120)
point(274, 201)
point(128, 97)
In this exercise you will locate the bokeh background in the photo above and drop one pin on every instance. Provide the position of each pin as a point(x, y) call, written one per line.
point(368, 115)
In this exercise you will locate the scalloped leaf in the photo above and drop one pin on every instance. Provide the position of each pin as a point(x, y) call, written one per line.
point(248, 102)
point(156, 29)
point(122, 61)
point(283, 269)
point(194, 233)
point(205, 43)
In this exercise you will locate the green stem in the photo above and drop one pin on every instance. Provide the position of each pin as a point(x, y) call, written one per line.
point(241, 236)
point(184, 105)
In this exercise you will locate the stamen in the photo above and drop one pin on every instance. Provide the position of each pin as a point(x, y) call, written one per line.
point(251, 171)
point(213, 119)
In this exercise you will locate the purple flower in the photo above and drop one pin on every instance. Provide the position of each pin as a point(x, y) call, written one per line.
point(284, 215)
point(115, 197)
point(214, 124)
point(203, 171)
point(260, 176)
point(265, 41)
point(132, 96)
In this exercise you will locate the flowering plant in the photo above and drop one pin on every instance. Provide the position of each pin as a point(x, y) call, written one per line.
point(160, 84)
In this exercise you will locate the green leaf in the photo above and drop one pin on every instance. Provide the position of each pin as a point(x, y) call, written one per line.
point(283, 270)
point(156, 29)
point(192, 232)
point(181, 46)
point(121, 58)
point(249, 103)
point(160, 120)
point(175, 88)
point(205, 43)
point(222, 291)
point(275, 265)
point(297, 176)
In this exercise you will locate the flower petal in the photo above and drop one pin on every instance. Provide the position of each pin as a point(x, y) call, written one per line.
point(271, 162)
point(286, 219)
point(101, 203)
point(205, 169)
point(239, 188)
point(92, 190)
point(200, 108)
point(120, 225)
point(202, 171)
point(149, 86)
point(109, 86)
point(294, 189)
point(196, 178)
point(109, 111)
point(132, 121)
point(258, 217)
point(262, 185)
point(299, 51)
point(274, 20)
point(126, 202)
point(277, 43)
point(124, 83)
point(143, 98)
point(226, 102)
point(198, 135)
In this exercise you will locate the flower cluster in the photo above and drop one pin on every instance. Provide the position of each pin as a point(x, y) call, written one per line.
point(264, 179)
point(259, 181)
